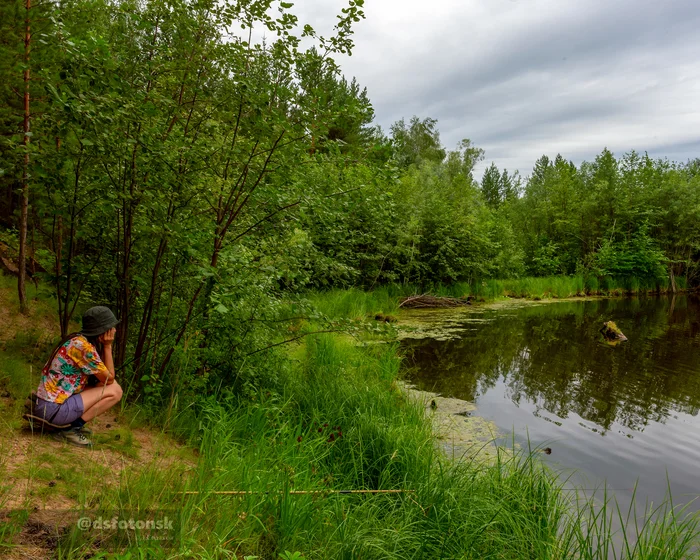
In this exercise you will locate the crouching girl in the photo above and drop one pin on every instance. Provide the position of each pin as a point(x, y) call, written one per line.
point(77, 383)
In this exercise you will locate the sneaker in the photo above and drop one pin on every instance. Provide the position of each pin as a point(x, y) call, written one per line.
point(74, 436)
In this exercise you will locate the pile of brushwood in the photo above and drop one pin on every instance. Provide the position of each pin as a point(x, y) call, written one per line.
point(427, 301)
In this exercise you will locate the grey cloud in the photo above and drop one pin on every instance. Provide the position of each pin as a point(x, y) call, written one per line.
point(527, 77)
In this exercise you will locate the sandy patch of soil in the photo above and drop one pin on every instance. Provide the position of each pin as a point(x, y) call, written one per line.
point(43, 477)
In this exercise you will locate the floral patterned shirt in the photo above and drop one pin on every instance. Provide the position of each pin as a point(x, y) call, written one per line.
point(68, 372)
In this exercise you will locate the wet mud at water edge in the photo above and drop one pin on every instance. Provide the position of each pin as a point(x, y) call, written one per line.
point(615, 415)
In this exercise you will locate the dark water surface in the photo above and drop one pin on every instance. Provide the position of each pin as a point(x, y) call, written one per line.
point(621, 414)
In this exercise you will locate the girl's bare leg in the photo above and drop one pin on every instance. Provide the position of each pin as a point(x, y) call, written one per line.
point(100, 399)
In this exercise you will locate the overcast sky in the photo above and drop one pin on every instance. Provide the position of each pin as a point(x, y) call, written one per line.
point(522, 78)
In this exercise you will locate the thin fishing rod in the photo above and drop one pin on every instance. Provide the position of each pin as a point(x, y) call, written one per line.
point(296, 492)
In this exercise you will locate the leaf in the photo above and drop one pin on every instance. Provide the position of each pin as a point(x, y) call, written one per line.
point(221, 308)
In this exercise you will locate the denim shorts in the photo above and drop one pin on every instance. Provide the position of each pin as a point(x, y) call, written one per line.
point(71, 409)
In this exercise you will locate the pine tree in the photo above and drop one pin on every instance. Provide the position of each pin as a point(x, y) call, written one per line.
point(491, 186)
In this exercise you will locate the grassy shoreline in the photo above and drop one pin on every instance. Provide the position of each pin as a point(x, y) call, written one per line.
point(563, 287)
point(336, 419)
point(357, 303)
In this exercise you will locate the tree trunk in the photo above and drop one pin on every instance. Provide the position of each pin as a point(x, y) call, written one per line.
point(58, 250)
point(24, 202)
point(673, 279)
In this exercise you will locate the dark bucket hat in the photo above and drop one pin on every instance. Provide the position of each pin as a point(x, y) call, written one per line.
point(98, 320)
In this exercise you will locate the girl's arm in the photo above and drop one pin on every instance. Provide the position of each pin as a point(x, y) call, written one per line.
point(107, 339)
point(109, 362)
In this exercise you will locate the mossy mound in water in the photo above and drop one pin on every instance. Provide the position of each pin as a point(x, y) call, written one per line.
point(612, 332)
point(385, 318)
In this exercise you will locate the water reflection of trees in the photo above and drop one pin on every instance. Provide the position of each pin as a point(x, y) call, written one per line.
point(553, 356)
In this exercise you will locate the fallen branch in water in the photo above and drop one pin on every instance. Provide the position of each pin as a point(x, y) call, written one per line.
point(426, 301)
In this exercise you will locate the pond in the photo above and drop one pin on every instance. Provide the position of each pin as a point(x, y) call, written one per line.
point(619, 416)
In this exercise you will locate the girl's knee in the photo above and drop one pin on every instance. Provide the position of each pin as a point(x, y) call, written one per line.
point(117, 391)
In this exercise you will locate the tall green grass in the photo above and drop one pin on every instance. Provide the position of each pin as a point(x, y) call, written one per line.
point(602, 530)
point(341, 422)
point(335, 419)
point(556, 287)
point(355, 303)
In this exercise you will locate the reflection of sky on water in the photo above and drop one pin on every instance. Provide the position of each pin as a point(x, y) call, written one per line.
point(622, 415)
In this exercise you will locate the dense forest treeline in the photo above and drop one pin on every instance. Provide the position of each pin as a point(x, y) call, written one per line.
point(158, 159)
